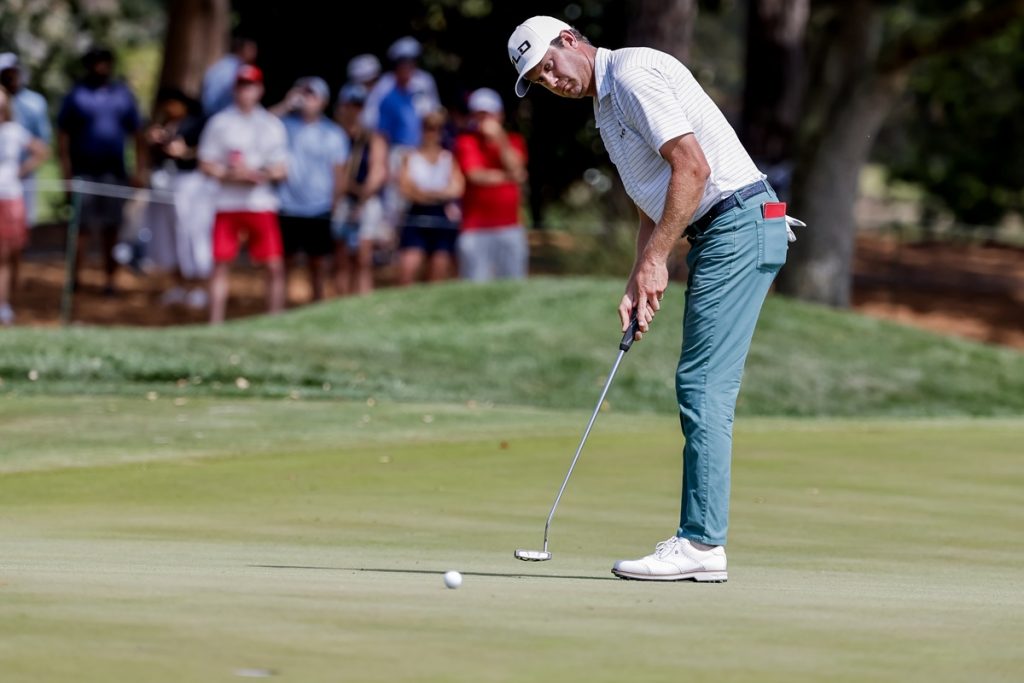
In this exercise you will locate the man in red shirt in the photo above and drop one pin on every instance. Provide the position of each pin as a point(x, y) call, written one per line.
point(492, 242)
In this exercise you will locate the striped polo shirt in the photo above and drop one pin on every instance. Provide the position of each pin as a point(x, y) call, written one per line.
point(646, 98)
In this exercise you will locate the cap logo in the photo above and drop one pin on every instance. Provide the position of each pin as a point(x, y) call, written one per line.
point(523, 49)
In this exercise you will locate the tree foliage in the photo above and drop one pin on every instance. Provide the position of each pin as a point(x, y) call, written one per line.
point(958, 134)
point(49, 36)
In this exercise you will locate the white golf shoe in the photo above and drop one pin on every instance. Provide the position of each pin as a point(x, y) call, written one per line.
point(676, 560)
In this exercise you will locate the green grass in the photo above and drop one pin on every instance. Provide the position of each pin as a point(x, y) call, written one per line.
point(154, 541)
point(545, 342)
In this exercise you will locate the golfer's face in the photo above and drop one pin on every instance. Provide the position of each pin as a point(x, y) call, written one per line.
point(559, 73)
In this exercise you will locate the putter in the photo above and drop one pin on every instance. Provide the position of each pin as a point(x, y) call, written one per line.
point(624, 345)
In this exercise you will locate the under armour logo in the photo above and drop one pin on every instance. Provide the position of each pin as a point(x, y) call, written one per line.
point(522, 51)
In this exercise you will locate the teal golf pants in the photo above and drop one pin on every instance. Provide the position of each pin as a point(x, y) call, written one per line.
point(732, 265)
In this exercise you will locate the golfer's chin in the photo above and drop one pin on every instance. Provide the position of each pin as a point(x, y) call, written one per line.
point(572, 92)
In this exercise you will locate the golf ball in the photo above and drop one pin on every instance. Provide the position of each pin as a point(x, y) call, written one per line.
point(452, 579)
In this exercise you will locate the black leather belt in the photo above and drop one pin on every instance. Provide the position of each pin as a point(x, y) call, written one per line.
point(728, 204)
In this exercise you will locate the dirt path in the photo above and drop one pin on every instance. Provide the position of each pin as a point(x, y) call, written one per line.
point(974, 291)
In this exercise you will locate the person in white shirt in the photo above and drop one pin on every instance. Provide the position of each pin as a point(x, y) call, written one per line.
point(245, 148)
point(686, 171)
point(20, 155)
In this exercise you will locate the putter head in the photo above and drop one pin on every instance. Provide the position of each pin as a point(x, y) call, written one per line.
point(532, 555)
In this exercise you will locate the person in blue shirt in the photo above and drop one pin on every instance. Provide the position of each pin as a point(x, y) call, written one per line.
point(96, 118)
point(317, 153)
point(31, 111)
point(218, 91)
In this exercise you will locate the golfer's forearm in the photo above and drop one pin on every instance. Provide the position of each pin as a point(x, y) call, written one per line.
point(684, 192)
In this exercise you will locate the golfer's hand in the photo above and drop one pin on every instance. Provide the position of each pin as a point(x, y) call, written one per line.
point(650, 282)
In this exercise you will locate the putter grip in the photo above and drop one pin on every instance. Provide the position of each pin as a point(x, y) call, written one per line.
point(630, 334)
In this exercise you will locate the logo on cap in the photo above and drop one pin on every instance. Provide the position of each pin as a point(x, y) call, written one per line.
point(522, 51)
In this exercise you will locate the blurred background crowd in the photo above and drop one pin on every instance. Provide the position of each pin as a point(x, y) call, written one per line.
point(380, 172)
point(388, 148)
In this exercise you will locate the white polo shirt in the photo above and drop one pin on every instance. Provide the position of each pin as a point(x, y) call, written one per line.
point(646, 98)
point(260, 139)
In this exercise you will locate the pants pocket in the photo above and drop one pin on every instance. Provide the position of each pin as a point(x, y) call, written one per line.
point(772, 243)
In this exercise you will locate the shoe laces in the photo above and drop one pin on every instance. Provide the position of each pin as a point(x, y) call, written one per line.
point(666, 547)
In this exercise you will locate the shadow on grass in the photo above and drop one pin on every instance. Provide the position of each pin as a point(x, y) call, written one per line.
point(435, 572)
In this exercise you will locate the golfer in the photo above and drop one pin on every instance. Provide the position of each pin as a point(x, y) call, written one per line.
point(687, 173)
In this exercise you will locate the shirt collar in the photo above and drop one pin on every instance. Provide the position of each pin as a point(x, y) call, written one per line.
point(603, 82)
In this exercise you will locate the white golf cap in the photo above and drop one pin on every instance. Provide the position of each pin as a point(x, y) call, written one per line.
point(8, 60)
point(404, 48)
point(315, 85)
point(485, 100)
point(363, 68)
point(529, 43)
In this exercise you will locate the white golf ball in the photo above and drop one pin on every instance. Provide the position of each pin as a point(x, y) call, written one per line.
point(452, 579)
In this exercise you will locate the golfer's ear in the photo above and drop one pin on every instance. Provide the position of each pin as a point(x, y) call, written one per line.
point(568, 39)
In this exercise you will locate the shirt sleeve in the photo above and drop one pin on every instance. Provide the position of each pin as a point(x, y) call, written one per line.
point(210, 142)
point(468, 153)
point(519, 143)
point(42, 121)
point(651, 107)
point(278, 152)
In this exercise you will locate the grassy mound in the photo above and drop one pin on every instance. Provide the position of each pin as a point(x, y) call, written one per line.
point(544, 342)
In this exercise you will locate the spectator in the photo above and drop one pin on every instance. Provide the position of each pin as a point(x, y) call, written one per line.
point(432, 183)
point(358, 224)
point(181, 231)
point(404, 55)
point(31, 111)
point(318, 150)
point(20, 154)
point(406, 95)
point(245, 148)
point(364, 70)
point(219, 79)
point(492, 243)
point(95, 118)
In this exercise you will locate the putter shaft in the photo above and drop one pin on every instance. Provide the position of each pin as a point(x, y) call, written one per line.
point(579, 449)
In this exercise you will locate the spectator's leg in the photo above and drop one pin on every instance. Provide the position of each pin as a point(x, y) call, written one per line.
point(15, 264)
point(342, 269)
point(316, 277)
point(440, 266)
point(81, 249)
point(409, 263)
point(109, 235)
point(511, 257)
point(472, 256)
point(219, 292)
point(6, 274)
point(275, 285)
point(364, 268)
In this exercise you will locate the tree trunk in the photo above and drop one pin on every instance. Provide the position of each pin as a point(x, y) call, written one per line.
point(197, 35)
point(774, 83)
point(665, 25)
point(819, 267)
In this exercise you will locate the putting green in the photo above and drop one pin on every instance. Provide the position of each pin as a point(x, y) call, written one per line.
point(148, 541)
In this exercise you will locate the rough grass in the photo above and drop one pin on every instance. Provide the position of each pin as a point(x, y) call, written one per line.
point(544, 342)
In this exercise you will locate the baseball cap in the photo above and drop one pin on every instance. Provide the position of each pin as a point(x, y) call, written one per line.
point(404, 48)
point(316, 85)
point(354, 93)
point(247, 73)
point(8, 60)
point(363, 68)
point(485, 100)
point(529, 43)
